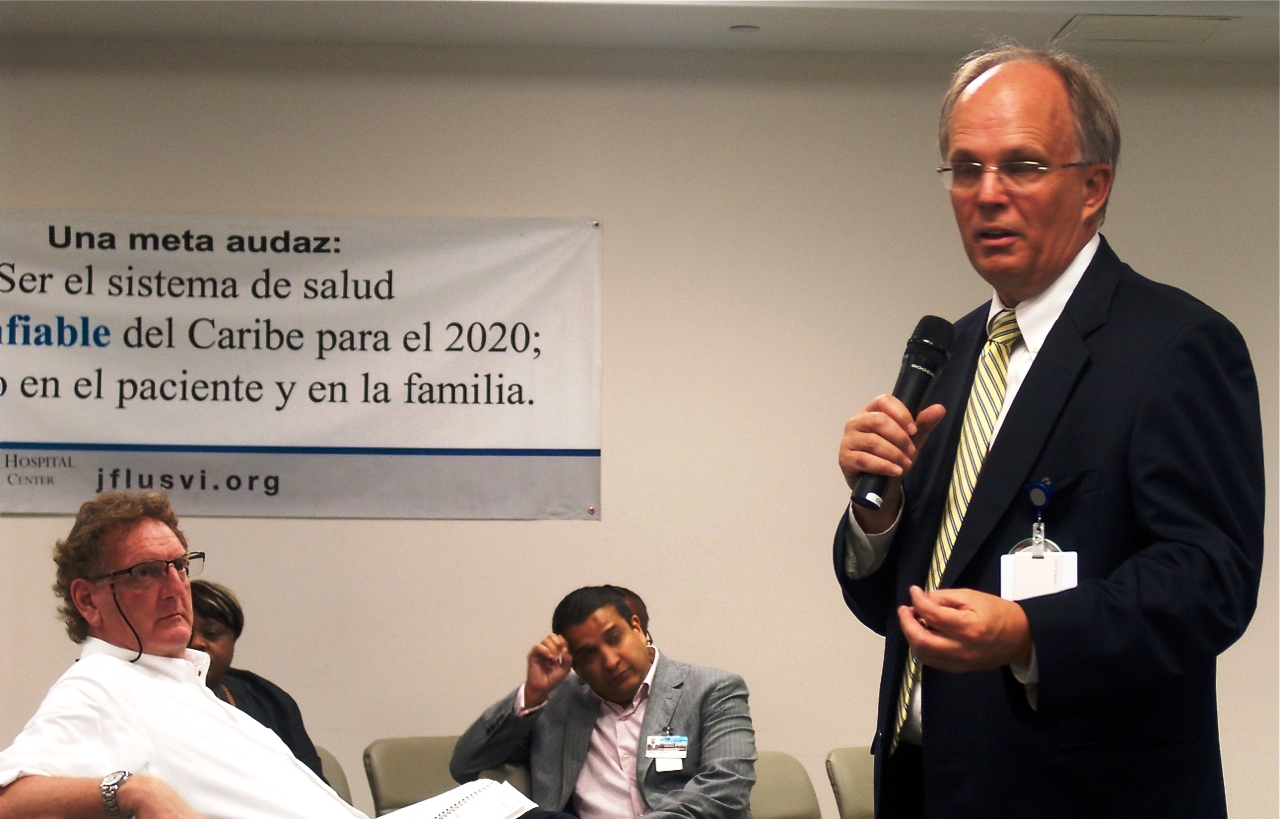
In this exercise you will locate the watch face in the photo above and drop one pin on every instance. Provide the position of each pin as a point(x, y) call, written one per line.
point(110, 784)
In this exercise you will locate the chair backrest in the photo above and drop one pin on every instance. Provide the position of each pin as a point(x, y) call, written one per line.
point(334, 773)
point(783, 789)
point(404, 770)
point(517, 773)
point(852, 772)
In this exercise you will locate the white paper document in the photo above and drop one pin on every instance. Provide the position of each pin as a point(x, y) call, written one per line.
point(481, 799)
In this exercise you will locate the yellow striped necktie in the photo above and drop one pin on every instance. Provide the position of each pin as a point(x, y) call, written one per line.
point(986, 398)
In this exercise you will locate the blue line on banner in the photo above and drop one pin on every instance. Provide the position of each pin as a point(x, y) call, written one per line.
point(306, 450)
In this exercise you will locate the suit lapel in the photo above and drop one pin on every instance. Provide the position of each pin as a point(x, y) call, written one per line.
point(664, 696)
point(577, 737)
point(1035, 410)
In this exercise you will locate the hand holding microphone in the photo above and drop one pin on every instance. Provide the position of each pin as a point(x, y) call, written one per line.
point(880, 442)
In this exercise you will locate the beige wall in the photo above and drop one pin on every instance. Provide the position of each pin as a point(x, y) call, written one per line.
point(772, 232)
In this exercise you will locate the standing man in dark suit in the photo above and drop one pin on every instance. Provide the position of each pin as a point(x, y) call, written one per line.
point(629, 733)
point(1137, 406)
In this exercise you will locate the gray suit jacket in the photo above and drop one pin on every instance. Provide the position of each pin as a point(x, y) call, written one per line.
point(706, 705)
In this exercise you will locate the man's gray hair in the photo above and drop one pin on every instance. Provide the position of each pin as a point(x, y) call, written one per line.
point(1093, 106)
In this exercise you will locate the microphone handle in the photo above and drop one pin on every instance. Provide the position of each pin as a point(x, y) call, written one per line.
point(868, 492)
point(913, 383)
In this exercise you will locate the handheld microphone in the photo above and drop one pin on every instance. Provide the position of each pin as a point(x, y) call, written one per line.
point(927, 350)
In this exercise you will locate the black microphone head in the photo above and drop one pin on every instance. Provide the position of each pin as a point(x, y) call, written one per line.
point(936, 331)
point(932, 338)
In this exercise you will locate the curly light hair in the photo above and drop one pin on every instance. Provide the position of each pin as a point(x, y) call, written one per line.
point(98, 523)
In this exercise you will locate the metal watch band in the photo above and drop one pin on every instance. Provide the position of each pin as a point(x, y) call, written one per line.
point(110, 784)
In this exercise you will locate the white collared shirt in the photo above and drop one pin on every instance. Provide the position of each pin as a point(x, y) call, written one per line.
point(157, 717)
point(1036, 317)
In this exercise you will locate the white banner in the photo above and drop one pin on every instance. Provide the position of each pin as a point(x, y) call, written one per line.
point(300, 366)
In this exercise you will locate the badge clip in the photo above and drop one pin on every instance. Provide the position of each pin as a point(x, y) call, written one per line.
point(1037, 566)
point(1039, 494)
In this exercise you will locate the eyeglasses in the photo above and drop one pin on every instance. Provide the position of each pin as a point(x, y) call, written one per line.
point(144, 575)
point(1016, 176)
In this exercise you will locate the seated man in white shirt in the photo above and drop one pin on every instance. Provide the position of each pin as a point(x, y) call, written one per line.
point(630, 733)
point(131, 729)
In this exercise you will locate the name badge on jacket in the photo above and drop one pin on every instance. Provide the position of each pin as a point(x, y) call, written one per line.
point(667, 751)
point(1036, 566)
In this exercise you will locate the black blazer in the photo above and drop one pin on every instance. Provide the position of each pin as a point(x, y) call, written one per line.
point(1142, 408)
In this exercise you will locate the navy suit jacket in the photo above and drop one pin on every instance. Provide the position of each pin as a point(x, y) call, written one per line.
point(1142, 409)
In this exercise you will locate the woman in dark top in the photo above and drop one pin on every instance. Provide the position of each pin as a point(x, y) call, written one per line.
point(218, 623)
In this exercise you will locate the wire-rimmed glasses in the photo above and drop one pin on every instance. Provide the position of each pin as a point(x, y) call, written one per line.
point(1018, 175)
point(143, 575)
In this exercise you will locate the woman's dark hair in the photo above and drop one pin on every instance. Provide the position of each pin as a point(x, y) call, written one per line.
point(213, 601)
point(636, 605)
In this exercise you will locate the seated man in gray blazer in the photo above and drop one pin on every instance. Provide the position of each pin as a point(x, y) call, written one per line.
point(629, 733)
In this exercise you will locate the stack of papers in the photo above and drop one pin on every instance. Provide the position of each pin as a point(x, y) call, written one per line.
point(481, 799)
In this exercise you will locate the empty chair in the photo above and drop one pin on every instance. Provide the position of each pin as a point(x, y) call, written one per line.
point(783, 789)
point(852, 772)
point(404, 770)
point(334, 773)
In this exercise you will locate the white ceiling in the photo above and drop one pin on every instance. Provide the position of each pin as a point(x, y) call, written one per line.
point(1236, 29)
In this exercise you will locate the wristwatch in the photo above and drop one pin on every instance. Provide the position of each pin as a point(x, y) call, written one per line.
point(110, 784)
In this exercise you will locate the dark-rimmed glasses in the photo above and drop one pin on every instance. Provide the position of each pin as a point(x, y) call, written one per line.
point(1016, 176)
point(143, 575)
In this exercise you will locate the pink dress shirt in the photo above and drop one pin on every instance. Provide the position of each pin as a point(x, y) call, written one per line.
point(607, 787)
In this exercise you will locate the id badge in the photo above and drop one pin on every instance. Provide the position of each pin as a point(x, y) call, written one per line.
point(668, 751)
point(1024, 575)
point(1036, 566)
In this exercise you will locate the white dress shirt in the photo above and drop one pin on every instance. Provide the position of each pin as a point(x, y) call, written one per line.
point(1036, 316)
point(157, 717)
